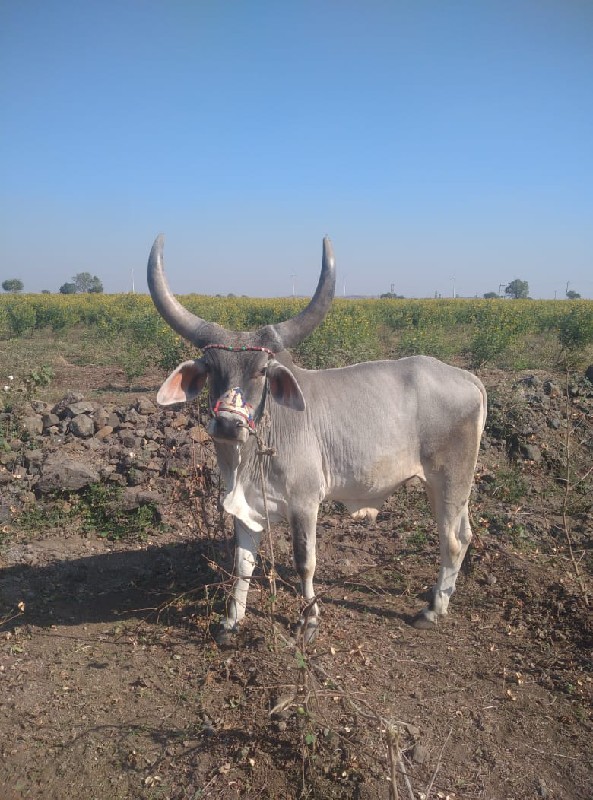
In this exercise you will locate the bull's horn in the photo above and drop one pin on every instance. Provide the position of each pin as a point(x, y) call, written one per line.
point(183, 322)
point(292, 331)
point(274, 337)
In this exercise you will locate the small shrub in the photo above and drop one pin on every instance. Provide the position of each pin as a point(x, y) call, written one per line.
point(97, 507)
point(21, 317)
point(510, 485)
point(575, 333)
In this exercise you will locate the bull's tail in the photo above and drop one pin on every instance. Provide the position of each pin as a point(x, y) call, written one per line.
point(484, 404)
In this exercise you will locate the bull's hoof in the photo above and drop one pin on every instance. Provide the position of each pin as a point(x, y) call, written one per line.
point(226, 637)
point(425, 620)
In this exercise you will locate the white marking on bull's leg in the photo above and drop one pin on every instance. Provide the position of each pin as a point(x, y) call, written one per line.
point(454, 537)
point(454, 544)
point(246, 547)
point(303, 524)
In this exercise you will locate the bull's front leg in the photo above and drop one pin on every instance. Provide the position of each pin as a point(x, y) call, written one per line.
point(303, 525)
point(246, 549)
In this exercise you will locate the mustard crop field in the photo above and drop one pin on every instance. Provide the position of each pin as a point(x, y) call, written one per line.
point(503, 333)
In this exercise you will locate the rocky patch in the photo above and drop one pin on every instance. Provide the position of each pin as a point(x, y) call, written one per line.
point(75, 444)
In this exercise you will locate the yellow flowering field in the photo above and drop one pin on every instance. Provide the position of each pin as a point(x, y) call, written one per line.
point(506, 333)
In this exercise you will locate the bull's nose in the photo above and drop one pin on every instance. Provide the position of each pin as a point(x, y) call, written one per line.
point(229, 427)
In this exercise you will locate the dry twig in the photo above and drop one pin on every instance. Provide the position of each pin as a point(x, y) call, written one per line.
point(568, 488)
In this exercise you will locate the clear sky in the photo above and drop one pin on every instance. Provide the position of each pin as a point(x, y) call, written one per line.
point(442, 144)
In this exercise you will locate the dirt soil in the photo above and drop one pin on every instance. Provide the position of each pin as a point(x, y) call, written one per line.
point(113, 686)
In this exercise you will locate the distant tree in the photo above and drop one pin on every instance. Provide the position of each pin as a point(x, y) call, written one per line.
point(517, 289)
point(572, 295)
point(45, 291)
point(490, 296)
point(97, 286)
point(391, 296)
point(68, 288)
point(85, 282)
point(13, 285)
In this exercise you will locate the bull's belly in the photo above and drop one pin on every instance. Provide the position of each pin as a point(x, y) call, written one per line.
point(372, 486)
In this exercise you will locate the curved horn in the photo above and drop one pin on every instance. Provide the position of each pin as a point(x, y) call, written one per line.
point(274, 337)
point(186, 324)
point(292, 331)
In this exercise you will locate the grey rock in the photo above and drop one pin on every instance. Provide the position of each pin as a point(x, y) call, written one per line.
point(101, 417)
point(151, 447)
point(552, 389)
point(33, 458)
point(66, 473)
point(82, 426)
point(198, 434)
point(129, 440)
point(81, 407)
point(135, 418)
point(132, 498)
point(125, 426)
point(145, 406)
point(33, 425)
point(532, 381)
point(94, 444)
point(40, 406)
point(50, 420)
point(136, 477)
point(180, 421)
point(530, 452)
point(113, 420)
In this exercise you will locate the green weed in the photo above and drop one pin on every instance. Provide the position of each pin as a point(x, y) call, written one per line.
point(95, 510)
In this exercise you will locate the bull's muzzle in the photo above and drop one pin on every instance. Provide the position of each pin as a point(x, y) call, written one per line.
point(232, 417)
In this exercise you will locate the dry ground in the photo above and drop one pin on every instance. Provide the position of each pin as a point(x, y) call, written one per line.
point(113, 687)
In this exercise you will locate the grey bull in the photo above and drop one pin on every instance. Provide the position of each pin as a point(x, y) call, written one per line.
point(351, 434)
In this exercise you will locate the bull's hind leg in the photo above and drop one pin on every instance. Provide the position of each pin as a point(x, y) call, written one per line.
point(303, 525)
point(246, 548)
point(452, 516)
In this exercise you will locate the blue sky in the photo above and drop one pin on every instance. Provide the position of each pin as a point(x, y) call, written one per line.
point(442, 145)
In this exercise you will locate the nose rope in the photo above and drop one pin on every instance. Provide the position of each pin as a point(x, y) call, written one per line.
point(233, 402)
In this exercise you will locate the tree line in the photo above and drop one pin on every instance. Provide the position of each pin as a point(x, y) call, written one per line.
point(81, 283)
point(519, 290)
point(84, 282)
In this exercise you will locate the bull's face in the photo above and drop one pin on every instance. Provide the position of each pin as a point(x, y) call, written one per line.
point(238, 382)
point(240, 367)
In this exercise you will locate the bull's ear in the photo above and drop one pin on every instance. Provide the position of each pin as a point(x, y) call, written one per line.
point(284, 387)
point(185, 383)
